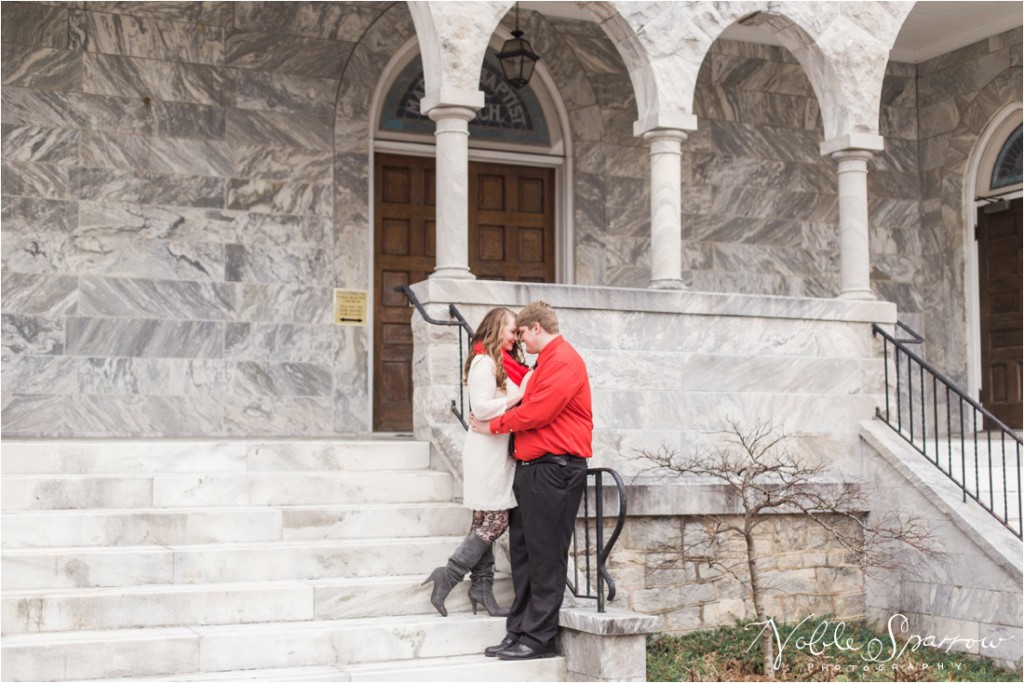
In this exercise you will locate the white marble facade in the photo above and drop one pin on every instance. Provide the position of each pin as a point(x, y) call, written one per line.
point(185, 183)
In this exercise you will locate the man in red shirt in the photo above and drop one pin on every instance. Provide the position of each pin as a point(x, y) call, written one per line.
point(553, 428)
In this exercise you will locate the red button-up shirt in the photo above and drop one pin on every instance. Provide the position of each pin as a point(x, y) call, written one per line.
point(555, 415)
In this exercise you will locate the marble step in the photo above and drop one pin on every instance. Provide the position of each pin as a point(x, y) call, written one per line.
point(73, 491)
point(137, 653)
point(175, 526)
point(459, 668)
point(46, 568)
point(49, 611)
point(151, 456)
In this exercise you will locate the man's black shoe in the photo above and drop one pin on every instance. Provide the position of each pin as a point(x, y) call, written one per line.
point(522, 651)
point(506, 642)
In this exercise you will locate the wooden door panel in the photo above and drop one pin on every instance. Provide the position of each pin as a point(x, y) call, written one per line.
point(1000, 263)
point(511, 237)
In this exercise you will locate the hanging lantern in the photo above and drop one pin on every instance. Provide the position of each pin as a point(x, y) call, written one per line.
point(517, 58)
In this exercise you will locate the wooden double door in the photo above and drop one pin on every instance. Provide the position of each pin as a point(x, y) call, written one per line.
point(1000, 238)
point(511, 237)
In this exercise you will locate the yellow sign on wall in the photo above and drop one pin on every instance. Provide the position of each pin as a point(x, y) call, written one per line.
point(350, 307)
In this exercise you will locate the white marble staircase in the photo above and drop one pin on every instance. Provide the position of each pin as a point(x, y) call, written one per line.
point(271, 560)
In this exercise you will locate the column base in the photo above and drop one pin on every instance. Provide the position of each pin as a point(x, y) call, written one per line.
point(452, 273)
point(667, 283)
point(857, 295)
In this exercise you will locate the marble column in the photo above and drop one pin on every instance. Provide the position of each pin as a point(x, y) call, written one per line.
point(853, 223)
point(666, 208)
point(452, 196)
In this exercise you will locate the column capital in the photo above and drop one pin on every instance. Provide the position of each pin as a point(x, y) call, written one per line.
point(451, 97)
point(864, 155)
point(864, 141)
point(445, 111)
point(673, 120)
point(665, 134)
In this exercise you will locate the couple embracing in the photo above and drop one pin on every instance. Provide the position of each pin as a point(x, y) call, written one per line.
point(534, 488)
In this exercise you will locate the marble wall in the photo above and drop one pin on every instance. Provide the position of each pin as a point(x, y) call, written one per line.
point(169, 248)
point(667, 369)
point(958, 94)
point(185, 183)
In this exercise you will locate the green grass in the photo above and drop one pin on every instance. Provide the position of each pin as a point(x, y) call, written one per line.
point(727, 654)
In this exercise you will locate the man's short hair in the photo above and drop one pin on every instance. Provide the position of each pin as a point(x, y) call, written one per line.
point(538, 312)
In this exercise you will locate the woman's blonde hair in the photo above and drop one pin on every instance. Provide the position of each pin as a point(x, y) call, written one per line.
point(490, 333)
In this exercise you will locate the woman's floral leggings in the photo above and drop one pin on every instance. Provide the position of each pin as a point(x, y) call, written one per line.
point(490, 524)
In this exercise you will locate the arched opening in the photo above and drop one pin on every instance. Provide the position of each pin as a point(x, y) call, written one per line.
point(519, 172)
point(760, 205)
point(993, 204)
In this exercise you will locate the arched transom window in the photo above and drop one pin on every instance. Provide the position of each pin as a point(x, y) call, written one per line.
point(509, 116)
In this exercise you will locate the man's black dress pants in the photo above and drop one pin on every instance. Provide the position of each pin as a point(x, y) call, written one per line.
point(540, 530)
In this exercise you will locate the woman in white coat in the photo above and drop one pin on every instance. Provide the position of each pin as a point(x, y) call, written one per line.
point(496, 378)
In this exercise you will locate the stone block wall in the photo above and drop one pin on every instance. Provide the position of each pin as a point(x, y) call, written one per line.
point(807, 571)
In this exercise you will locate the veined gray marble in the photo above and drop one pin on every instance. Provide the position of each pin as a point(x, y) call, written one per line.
point(761, 231)
point(760, 258)
point(286, 54)
point(33, 254)
point(137, 415)
point(351, 400)
point(744, 140)
point(745, 73)
point(41, 68)
point(28, 107)
point(117, 185)
point(125, 376)
point(289, 416)
point(332, 21)
point(286, 304)
point(253, 378)
point(168, 81)
point(272, 197)
point(150, 259)
point(32, 217)
point(26, 334)
point(26, 294)
point(299, 265)
point(32, 415)
point(272, 342)
point(215, 12)
point(33, 23)
point(258, 90)
point(266, 162)
point(105, 220)
point(265, 230)
point(156, 155)
point(284, 129)
point(40, 144)
point(143, 298)
point(119, 34)
point(35, 180)
point(103, 337)
point(43, 374)
point(183, 120)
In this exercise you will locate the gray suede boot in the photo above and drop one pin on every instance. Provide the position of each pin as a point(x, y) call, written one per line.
point(481, 588)
point(446, 578)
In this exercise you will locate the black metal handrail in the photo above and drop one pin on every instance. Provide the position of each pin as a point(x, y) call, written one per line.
point(601, 550)
point(911, 421)
point(458, 410)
